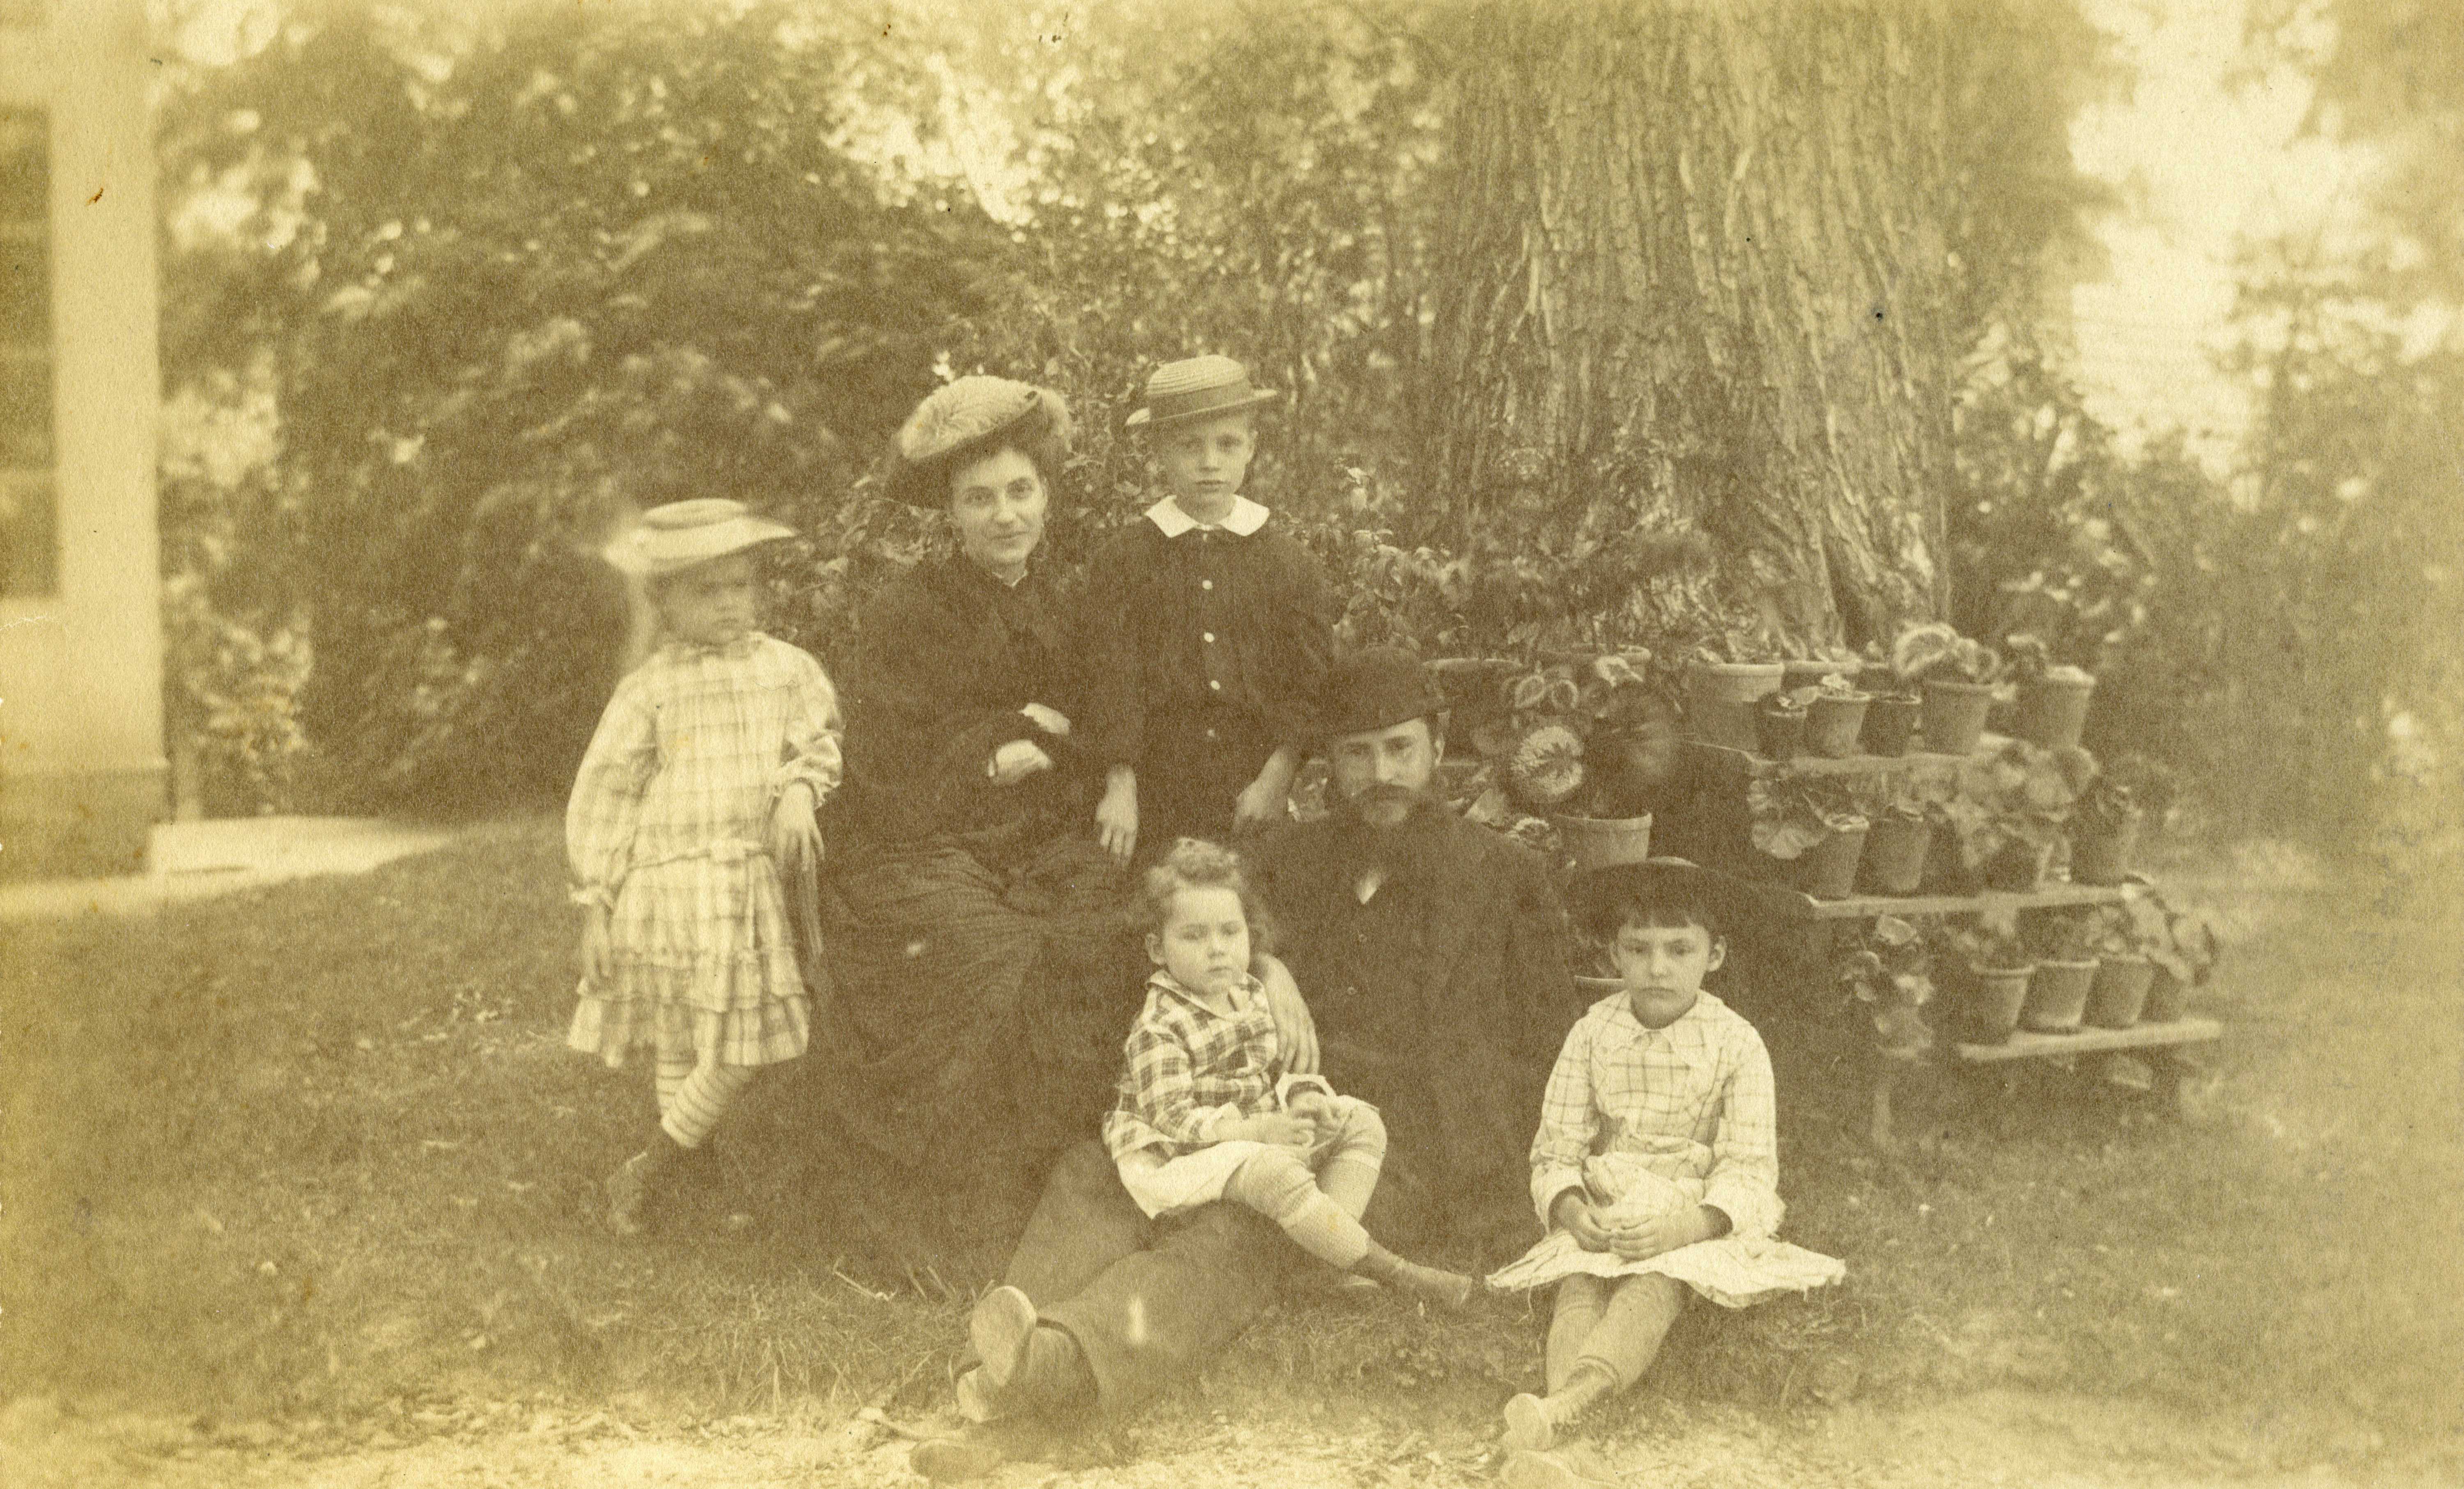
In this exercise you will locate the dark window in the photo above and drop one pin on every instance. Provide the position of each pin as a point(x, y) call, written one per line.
point(28, 528)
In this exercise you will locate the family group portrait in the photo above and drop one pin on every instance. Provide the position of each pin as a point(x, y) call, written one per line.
point(1093, 743)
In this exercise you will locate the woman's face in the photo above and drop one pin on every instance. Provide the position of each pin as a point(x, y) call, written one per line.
point(997, 504)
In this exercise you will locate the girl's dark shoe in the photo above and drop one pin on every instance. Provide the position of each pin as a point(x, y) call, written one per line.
point(638, 1182)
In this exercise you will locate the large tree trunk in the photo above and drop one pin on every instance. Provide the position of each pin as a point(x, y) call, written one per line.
point(1692, 277)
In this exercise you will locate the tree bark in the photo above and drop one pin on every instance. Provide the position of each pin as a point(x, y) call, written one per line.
point(1692, 276)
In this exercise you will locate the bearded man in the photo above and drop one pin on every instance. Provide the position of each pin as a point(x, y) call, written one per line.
point(1432, 952)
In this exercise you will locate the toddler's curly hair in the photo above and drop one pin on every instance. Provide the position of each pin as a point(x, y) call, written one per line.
point(1196, 864)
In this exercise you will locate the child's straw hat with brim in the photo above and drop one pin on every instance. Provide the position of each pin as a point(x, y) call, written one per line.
point(958, 414)
point(683, 535)
point(1200, 388)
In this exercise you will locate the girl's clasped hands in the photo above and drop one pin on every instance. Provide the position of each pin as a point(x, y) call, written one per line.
point(1594, 1229)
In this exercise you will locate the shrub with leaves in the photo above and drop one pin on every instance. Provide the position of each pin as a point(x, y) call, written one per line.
point(1886, 975)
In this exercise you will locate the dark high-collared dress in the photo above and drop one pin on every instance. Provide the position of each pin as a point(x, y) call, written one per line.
point(984, 978)
point(1209, 648)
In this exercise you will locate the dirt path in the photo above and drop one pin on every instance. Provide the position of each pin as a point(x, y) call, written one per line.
point(1991, 1438)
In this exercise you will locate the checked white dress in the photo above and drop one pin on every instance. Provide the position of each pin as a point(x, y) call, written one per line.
point(1650, 1120)
point(668, 827)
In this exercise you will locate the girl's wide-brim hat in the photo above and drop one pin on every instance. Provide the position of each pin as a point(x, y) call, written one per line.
point(683, 535)
point(1200, 387)
point(959, 414)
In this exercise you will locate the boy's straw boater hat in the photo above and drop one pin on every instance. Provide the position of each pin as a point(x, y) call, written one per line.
point(684, 534)
point(959, 413)
point(1379, 688)
point(1197, 388)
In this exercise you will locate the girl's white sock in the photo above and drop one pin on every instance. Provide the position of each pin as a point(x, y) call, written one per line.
point(701, 1101)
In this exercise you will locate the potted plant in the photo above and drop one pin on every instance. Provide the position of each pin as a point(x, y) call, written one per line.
point(1779, 723)
point(1814, 824)
point(2063, 941)
point(2053, 696)
point(1728, 674)
point(1835, 715)
point(1893, 712)
point(2104, 830)
point(2128, 935)
point(1586, 741)
point(2183, 960)
point(1997, 969)
point(1955, 676)
point(1903, 826)
point(1886, 975)
point(2005, 818)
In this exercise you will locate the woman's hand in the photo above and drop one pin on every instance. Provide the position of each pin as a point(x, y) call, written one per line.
point(1573, 1214)
point(598, 947)
point(1636, 1239)
point(1116, 816)
point(1016, 760)
point(1268, 797)
point(1295, 1031)
point(795, 834)
point(1052, 721)
point(1278, 1128)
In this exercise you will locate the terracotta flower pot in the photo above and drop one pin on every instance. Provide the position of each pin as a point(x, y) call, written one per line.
point(1954, 715)
point(2119, 991)
point(1605, 841)
point(2053, 711)
point(1720, 698)
point(1995, 996)
point(2057, 996)
point(1891, 726)
point(1828, 869)
point(1832, 726)
point(2019, 867)
point(1895, 854)
point(2165, 996)
point(1778, 732)
point(2104, 857)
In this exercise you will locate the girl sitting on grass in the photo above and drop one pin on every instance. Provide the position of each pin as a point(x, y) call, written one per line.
point(696, 796)
point(1655, 1165)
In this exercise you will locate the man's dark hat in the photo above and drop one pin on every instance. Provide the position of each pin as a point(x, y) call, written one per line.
point(1603, 892)
point(1379, 688)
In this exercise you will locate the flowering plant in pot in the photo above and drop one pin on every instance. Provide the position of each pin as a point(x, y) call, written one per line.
point(2127, 937)
point(1779, 723)
point(2007, 814)
point(1997, 969)
point(1813, 822)
point(2105, 828)
point(2184, 959)
point(2052, 696)
point(1835, 716)
point(1886, 974)
point(1955, 676)
point(1726, 673)
point(2058, 990)
point(1903, 819)
point(1586, 740)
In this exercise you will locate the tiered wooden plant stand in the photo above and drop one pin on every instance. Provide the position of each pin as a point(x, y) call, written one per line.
point(1712, 828)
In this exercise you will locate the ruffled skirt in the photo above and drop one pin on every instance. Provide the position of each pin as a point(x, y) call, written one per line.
point(705, 964)
point(1732, 1271)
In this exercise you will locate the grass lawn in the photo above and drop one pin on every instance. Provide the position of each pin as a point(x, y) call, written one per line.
point(318, 1149)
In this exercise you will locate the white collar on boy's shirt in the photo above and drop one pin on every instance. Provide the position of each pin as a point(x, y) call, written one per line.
point(1245, 517)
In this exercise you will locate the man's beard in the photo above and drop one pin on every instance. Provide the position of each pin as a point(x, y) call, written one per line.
point(1369, 842)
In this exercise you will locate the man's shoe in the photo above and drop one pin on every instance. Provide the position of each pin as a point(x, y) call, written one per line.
point(980, 1400)
point(1000, 1328)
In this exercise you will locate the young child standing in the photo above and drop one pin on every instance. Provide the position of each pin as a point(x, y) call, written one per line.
point(696, 799)
point(1211, 630)
point(1655, 1165)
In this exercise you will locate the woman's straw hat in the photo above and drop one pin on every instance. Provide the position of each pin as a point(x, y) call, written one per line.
point(960, 414)
point(1197, 388)
point(682, 533)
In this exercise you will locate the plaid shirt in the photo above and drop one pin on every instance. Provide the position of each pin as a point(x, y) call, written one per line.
point(1693, 1101)
point(1190, 1067)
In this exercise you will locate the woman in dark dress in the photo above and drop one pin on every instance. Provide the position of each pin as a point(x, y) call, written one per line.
point(982, 980)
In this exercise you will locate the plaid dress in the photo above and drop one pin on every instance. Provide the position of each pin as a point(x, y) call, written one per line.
point(1651, 1121)
point(668, 826)
point(1190, 1068)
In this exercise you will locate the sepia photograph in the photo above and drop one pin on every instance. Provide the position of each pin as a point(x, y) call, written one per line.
point(1352, 744)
